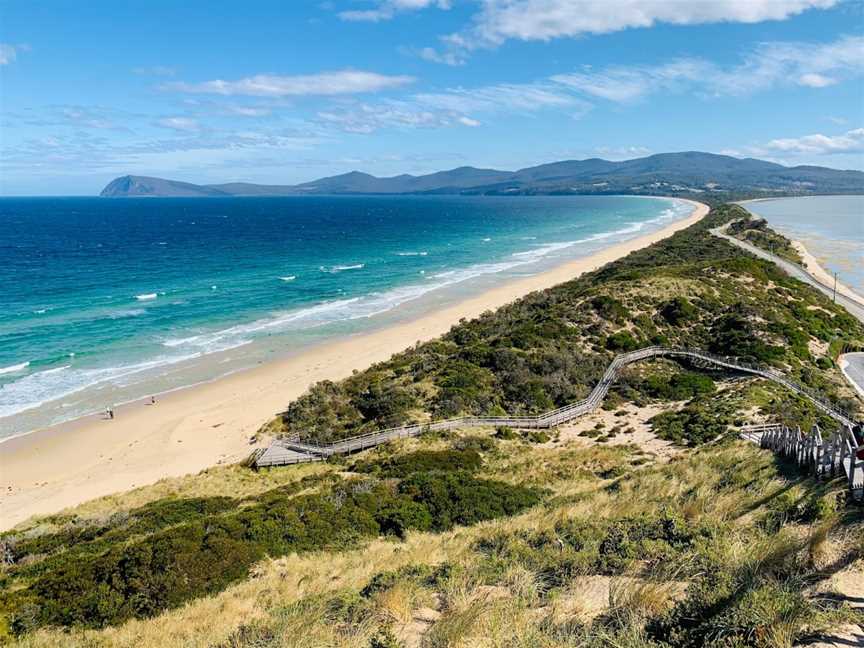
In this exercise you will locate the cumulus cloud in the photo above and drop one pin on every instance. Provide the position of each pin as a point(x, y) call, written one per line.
point(324, 83)
point(386, 9)
point(186, 124)
point(849, 142)
point(544, 20)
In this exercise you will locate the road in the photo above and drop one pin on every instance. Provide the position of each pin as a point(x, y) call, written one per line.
point(852, 365)
point(856, 309)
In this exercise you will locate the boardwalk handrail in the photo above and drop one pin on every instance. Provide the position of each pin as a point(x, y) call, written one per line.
point(838, 456)
point(548, 419)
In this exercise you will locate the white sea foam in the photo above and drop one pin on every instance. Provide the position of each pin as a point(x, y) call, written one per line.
point(410, 254)
point(130, 312)
point(342, 268)
point(146, 296)
point(52, 384)
point(320, 314)
point(14, 368)
point(288, 278)
point(378, 302)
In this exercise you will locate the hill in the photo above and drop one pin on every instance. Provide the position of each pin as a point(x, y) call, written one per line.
point(685, 173)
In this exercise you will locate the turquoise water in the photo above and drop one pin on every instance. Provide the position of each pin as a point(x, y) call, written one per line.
point(103, 301)
point(830, 227)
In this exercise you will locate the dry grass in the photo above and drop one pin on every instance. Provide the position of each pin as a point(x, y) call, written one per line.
point(284, 602)
point(231, 481)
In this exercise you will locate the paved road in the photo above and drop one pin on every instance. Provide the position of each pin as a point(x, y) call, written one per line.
point(853, 369)
point(856, 309)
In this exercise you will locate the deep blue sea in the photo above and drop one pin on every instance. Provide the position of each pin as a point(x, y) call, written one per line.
point(830, 227)
point(103, 301)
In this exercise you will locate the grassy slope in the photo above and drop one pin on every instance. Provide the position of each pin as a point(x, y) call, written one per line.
point(715, 514)
point(747, 537)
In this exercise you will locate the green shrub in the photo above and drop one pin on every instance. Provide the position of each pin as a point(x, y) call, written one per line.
point(141, 577)
point(421, 461)
point(476, 443)
point(458, 498)
point(505, 433)
point(693, 425)
point(621, 341)
point(678, 310)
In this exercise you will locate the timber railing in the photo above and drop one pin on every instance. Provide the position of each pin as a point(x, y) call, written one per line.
point(840, 455)
point(292, 450)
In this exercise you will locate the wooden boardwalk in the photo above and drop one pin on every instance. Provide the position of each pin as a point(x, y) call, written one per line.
point(291, 451)
point(834, 457)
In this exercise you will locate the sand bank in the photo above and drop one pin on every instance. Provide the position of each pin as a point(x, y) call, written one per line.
point(191, 429)
point(821, 275)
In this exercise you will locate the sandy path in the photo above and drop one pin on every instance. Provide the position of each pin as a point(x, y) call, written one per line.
point(191, 429)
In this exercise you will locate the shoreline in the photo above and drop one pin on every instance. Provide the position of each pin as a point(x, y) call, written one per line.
point(810, 264)
point(192, 428)
point(815, 270)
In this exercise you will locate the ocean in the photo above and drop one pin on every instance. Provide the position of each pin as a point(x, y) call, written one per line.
point(104, 301)
point(830, 227)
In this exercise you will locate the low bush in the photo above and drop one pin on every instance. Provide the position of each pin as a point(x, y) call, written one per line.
point(421, 461)
point(693, 425)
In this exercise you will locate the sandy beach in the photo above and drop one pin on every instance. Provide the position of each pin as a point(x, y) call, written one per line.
point(819, 273)
point(191, 429)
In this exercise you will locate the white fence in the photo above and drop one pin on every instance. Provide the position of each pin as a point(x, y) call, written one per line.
point(838, 456)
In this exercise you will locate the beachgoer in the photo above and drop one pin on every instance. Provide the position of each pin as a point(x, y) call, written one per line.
point(152, 400)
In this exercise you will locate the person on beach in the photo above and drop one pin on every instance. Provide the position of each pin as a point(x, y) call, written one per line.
point(110, 411)
point(152, 400)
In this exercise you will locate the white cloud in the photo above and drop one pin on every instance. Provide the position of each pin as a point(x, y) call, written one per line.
point(248, 111)
point(544, 20)
point(524, 97)
point(367, 118)
point(849, 142)
point(445, 57)
point(813, 80)
point(770, 64)
point(9, 53)
point(622, 152)
point(387, 9)
point(453, 107)
point(185, 124)
point(325, 83)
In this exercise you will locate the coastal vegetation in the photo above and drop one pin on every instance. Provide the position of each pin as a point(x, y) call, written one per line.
point(549, 348)
point(497, 537)
point(723, 545)
point(757, 232)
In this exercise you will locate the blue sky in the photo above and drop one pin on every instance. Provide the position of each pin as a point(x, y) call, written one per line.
point(284, 92)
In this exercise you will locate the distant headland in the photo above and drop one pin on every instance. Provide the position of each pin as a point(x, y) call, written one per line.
point(688, 173)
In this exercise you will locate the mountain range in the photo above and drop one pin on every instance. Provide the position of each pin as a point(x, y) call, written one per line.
point(689, 172)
